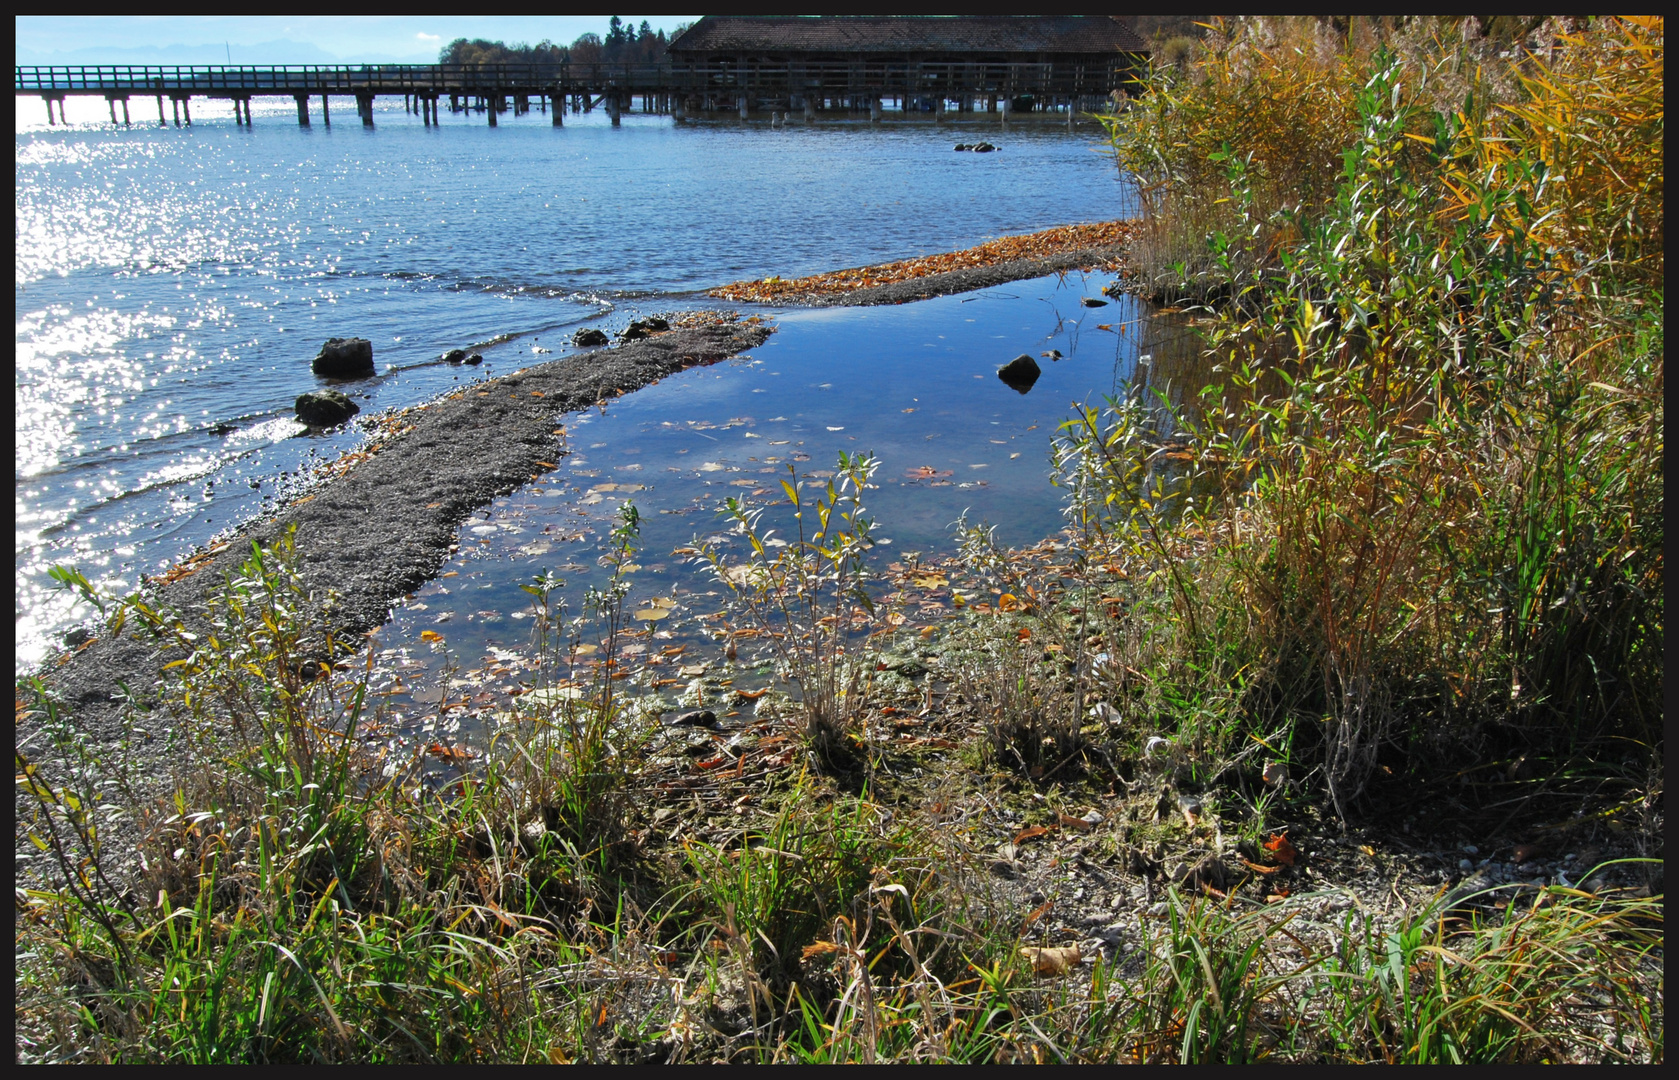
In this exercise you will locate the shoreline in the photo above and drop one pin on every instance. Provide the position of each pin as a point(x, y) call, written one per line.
point(370, 532)
point(381, 520)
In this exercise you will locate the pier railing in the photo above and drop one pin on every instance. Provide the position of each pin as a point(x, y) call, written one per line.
point(869, 75)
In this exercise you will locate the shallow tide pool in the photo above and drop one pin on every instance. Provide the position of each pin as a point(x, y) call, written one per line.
point(914, 385)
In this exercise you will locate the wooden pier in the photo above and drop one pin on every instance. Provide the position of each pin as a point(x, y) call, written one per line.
point(724, 64)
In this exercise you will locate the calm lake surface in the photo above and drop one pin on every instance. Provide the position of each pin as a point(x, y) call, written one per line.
point(173, 284)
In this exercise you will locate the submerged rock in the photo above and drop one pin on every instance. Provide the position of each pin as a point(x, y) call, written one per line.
point(590, 338)
point(325, 408)
point(475, 358)
point(693, 718)
point(345, 358)
point(1020, 373)
point(1091, 301)
point(982, 148)
point(455, 356)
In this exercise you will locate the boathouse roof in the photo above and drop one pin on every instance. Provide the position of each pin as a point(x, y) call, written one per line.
point(1077, 34)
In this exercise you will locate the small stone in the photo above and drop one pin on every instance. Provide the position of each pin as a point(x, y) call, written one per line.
point(345, 358)
point(1465, 865)
point(1471, 849)
point(590, 338)
point(693, 718)
point(325, 408)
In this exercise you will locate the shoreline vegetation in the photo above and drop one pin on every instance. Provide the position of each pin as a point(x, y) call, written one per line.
point(1328, 730)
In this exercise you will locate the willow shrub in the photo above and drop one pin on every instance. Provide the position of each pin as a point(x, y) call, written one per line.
point(1425, 503)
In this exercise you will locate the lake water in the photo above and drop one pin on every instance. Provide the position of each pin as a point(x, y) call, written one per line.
point(172, 285)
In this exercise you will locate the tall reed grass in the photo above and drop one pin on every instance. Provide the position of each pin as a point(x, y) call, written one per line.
point(1422, 508)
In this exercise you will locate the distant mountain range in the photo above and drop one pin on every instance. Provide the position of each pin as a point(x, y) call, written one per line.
point(263, 53)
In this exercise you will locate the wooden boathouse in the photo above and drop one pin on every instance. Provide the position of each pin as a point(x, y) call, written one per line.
point(815, 64)
point(918, 63)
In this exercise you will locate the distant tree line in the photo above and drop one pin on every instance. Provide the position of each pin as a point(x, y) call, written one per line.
point(623, 43)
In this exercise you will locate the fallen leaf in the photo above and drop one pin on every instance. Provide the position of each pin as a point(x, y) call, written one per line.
point(1056, 960)
point(1037, 913)
point(1031, 833)
point(652, 614)
point(1281, 850)
point(1078, 824)
point(1008, 602)
point(430, 635)
point(1524, 852)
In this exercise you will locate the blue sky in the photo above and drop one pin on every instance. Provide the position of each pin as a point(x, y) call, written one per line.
point(279, 39)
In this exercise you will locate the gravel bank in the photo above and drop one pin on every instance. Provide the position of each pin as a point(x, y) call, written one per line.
point(967, 280)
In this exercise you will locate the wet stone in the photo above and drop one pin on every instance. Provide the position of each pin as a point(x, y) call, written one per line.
point(1020, 373)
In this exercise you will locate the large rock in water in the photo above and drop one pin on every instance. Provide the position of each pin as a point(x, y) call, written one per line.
point(589, 338)
point(325, 408)
point(1020, 373)
point(345, 358)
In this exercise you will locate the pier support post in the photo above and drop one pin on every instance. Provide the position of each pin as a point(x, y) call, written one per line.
point(125, 120)
point(364, 105)
point(810, 110)
point(111, 103)
point(326, 112)
point(302, 109)
point(1003, 110)
point(186, 109)
point(614, 109)
point(558, 112)
point(938, 109)
point(744, 113)
point(175, 103)
point(50, 118)
point(874, 110)
point(678, 108)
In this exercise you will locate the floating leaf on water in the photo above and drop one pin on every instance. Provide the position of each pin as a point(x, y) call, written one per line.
point(692, 671)
point(1009, 602)
point(587, 650)
point(712, 466)
point(604, 487)
point(652, 614)
point(430, 635)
